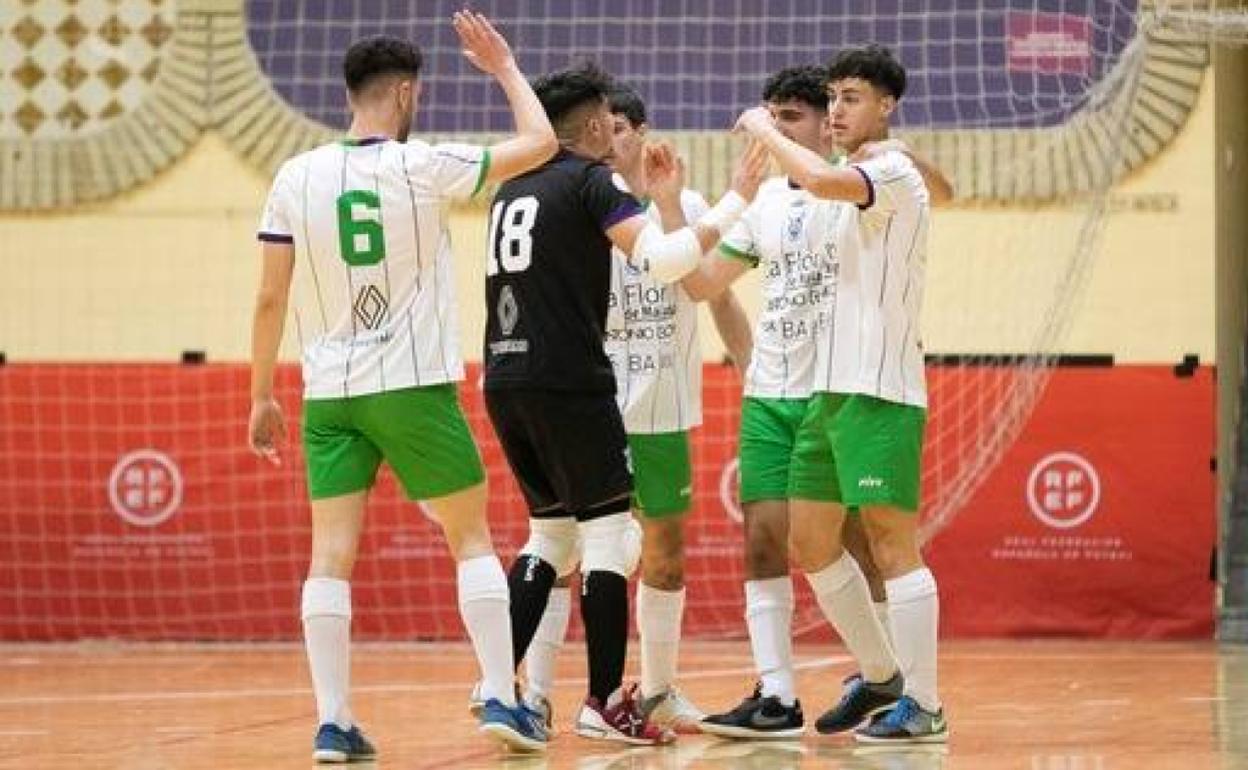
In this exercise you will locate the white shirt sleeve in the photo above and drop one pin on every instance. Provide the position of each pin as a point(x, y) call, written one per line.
point(458, 170)
point(693, 204)
point(739, 242)
point(895, 182)
point(276, 223)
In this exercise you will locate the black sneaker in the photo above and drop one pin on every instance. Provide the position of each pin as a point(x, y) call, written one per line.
point(757, 718)
point(333, 745)
point(860, 700)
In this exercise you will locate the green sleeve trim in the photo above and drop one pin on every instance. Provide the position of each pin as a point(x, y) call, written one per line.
point(741, 256)
point(485, 169)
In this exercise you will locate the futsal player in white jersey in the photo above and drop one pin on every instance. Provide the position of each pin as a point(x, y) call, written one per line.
point(652, 341)
point(783, 234)
point(355, 232)
point(867, 415)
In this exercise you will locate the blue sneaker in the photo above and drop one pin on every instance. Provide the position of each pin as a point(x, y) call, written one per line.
point(334, 745)
point(517, 728)
point(907, 722)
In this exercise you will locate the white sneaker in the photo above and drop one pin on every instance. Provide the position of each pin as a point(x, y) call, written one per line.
point(620, 719)
point(672, 710)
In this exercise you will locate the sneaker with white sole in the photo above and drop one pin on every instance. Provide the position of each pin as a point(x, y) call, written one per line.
point(758, 718)
point(540, 705)
point(671, 709)
point(517, 728)
point(620, 719)
point(860, 701)
point(907, 722)
point(334, 745)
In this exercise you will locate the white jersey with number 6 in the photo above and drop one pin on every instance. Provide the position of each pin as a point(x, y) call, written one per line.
point(652, 341)
point(373, 293)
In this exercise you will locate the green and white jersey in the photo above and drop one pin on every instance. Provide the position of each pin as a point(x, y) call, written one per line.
point(872, 345)
point(652, 341)
point(785, 231)
point(373, 293)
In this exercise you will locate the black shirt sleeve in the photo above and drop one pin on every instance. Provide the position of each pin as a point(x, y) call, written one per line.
point(608, 203)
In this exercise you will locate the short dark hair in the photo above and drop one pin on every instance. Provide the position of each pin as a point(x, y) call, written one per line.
point(373, 57)
point(627, 102)
point(872, 63)
point(562, 92)
point(807, 83)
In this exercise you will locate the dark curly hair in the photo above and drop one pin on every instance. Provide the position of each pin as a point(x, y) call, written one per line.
point(807, 83)
point(562, 92)
point(874, 64)
point(627, 102)
point(373, 57)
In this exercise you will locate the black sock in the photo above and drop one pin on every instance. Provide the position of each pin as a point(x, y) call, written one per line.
point(529, 581)
point(604, 612)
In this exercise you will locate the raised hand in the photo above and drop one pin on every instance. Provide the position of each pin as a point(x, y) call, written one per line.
point(665, 171)
point(754, 121)
point(483, 45)
point(751, 168)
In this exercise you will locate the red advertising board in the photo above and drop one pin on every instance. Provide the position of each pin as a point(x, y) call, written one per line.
point(130, 508)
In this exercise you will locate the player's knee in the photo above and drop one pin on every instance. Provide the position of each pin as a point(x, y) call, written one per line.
point(611, 543)
point(663, 575)
point(333, 555)
point(766, 559)
point(663, 555)
point(894, 557)
point(554, 541)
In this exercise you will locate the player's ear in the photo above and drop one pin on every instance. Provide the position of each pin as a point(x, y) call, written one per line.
point(888, 103)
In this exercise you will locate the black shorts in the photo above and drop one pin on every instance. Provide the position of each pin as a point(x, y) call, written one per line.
point(568, 451)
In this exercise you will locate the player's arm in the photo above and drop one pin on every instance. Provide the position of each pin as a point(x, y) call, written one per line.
point(734, 327)
point(939, 188)
point(805, 167)
point(267, 426)
point(713, 275)
point(534, 140)
point(669, 256)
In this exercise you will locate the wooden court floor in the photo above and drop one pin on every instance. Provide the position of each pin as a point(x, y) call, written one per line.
point(1031, 705)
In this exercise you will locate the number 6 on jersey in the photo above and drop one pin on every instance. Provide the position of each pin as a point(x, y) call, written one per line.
point(514, 251)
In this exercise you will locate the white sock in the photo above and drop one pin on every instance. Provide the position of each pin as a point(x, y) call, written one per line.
point(539, 661)
point(881, 614)
point(484, 604)
point(914, 609)
point(659, 614)
point(846, 602)
point(769, 617)
point(326, 612)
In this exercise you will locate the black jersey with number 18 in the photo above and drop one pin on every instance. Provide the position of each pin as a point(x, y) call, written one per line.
point(548, 276)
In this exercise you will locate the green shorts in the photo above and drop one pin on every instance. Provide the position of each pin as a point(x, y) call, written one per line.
point(769, 430)
point(420, 433)
point(662, 473)
point(873, 446)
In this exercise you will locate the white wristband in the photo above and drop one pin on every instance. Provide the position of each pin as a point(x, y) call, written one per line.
point(725, 213)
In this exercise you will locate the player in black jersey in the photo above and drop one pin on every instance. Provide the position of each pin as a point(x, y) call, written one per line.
point(549, 385)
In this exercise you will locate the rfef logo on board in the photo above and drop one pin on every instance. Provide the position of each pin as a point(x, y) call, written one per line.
point(1063, 490)
point(145, 487)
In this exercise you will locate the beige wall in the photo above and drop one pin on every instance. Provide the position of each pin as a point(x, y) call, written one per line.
point(173, 266)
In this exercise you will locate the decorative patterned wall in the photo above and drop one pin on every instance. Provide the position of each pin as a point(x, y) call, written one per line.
point(97, 96)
